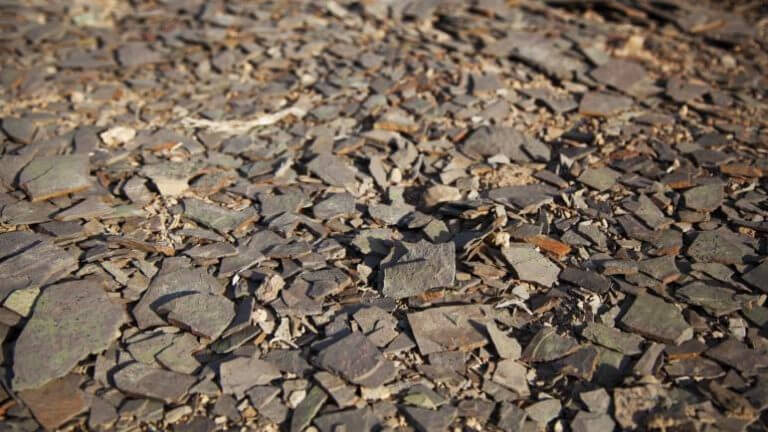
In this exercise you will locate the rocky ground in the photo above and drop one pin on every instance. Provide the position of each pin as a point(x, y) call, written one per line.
point(433, 215)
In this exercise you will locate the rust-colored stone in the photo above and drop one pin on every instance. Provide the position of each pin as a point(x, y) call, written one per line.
point(548, 244)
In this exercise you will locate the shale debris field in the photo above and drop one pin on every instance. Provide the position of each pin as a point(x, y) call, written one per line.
point(383, 215)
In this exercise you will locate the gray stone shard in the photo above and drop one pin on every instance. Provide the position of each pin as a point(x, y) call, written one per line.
point(69, 321)
point(412, 268)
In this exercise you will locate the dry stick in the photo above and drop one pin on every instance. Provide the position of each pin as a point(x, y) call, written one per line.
point(235, 127)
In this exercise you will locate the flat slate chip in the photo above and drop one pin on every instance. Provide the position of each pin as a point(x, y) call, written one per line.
point(54, 176)
point(412, 268)
point(530, 265)
point(448, 328)
point(655, 318)
point(599, 178)
point(585, 279)
point(600, 104)
point(367, 367)
point(165, 287)
point(69, 321)
point(238, 375)
point(155, 383)
point(203, 313)
point(30, 261)
point(332, 170)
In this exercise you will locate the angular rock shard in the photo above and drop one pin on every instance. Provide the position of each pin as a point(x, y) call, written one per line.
point(54, 176)
point(655, 318)
point(204, 314)
point(165, 287)
point(142, 380)
point(530, 265)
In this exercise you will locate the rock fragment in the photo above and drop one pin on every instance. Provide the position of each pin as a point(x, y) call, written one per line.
point(547, 345)
point(448, 328)
point(70, 320)
point(19, 129)
point(367, 367)
point(609, 337)
point(506, 346)
point(715, 299)
point(711, 246)
point(600, 179)
point(56, 402)
point(54, 176)
point(240, 374)
point(142, 380)
point(412, 268)
point(704, 198)
point(758, 276)
point(332, 170)
point(30, 261)
point(204, 314)
point(512, 375)
point(427, 420)
point(655, 318)
point(603, 104)
point(166, 286)
point(530, 265)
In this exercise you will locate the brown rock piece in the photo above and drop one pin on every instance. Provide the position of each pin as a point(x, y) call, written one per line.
point(56, 402)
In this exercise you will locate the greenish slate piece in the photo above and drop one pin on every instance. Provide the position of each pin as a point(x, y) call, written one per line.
point(203, 314)
point(424, 397)
point(599, 178)
point(214, 216)
point(547, 345)
point(145, 346)
point(53, 176)
point(716, 300)
point(544, 411)
point(334, 205)
point(592, 422)
point(412, 268)
point(332, 170)
point(506, 346)
point(711, 246)
point(27, 213)
point(758, 277)
point(658, 320)
point(140, 379)
point(179, 357)
point(600, 104)
point(366, 367)
point(427, 420)
point(167, 285)
point(512, 375)
point(308, 408)
point(238, 375)
point(19, 129)
point(615, 339)
point(70, 321)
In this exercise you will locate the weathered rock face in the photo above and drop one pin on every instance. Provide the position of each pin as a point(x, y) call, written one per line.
point(412, 268)
point(142, 380)
point(70, 321)
point(166, 287)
